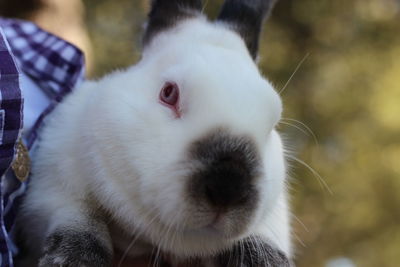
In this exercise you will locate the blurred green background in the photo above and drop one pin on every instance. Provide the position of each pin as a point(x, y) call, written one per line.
point(347, 91)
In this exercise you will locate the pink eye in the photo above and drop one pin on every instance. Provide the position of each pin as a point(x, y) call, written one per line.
point(169, 96)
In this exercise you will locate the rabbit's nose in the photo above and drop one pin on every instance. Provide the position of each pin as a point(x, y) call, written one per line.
point(227, 184)
point(227, 171)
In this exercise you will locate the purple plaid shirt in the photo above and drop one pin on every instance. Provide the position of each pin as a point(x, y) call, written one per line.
point(56, 67)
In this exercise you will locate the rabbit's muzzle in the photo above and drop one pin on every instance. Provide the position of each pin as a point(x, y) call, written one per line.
point(226, 175)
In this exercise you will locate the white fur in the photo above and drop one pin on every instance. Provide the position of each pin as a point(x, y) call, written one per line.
point(112, 140)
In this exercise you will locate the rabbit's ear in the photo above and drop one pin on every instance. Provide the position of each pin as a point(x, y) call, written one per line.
point(166, 13)
point(246, 18)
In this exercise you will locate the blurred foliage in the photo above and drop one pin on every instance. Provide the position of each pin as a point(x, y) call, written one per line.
point(347, 91)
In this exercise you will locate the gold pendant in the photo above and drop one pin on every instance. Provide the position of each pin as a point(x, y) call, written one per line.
point(22, 163)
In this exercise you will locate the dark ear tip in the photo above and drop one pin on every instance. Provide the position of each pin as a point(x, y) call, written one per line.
point(165, 14)
point(246, 18)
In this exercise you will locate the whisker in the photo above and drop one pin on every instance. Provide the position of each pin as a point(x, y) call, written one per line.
point(306, 127)
point(256, 248)
point(162, 242)
point(169, 239)
point(242, 253)
point(250, 252)
point(176, 237)
point(151, 257)
point(316, 174)
point(295, 71)
point(177, 229)
point(137, 234)
point(156, 262)
point(294, 126)
point(299, 240)
point(301, 223)
point(166, 238)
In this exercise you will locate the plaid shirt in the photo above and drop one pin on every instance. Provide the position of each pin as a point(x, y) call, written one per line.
point(56, 67)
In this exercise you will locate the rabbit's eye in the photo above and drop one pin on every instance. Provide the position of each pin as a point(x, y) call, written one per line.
point(169, 96)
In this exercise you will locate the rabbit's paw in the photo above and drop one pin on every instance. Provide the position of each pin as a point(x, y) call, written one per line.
point(253, 252)
point(68, 248)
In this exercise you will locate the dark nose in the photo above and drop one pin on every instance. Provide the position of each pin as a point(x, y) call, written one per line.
point(227, 182)
point(226, 175)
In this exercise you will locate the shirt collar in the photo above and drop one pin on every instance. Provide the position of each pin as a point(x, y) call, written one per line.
point(53, 63)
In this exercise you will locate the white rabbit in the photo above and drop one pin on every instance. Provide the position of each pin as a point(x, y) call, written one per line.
point(176, 155)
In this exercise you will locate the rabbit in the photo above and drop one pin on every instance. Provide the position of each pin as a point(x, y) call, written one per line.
point(176, 156)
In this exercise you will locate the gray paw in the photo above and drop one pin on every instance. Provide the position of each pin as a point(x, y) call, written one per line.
point(68, 248)
point(253, 252)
